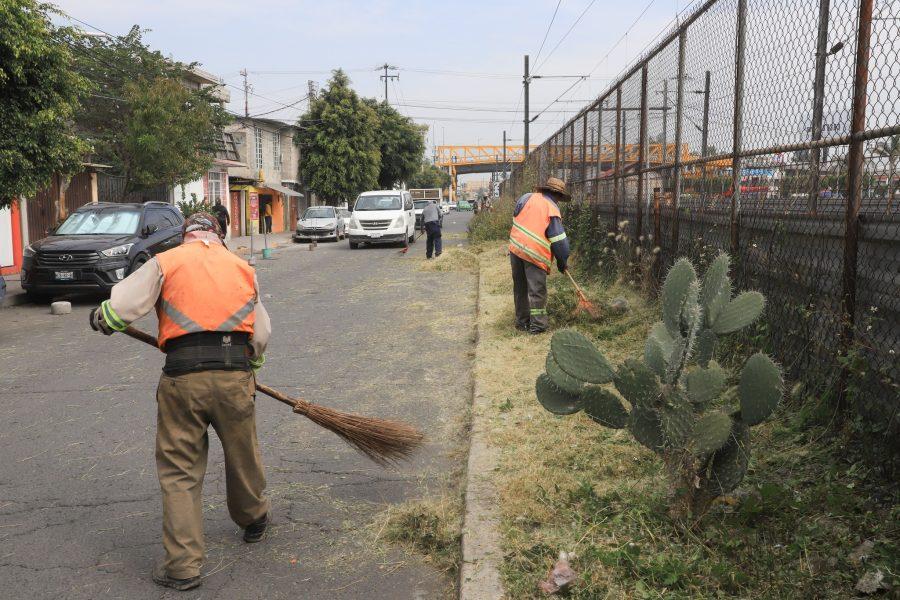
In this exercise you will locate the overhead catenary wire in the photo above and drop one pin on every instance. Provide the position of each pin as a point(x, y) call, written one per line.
point(566, 34)
point(547, 33)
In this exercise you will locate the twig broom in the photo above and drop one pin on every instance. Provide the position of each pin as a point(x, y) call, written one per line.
point(584, 305)
point(384, 442)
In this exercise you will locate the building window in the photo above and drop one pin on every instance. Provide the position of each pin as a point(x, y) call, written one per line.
point(259, 153)
point(216, 188)
point(276, 149)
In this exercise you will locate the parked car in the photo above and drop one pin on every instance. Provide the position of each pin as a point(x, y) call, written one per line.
point(463, 205)
point(382, 217)
point(97, 246)
point(445, 208)
point(320, 222)
point(345, 216)
point(419, 206)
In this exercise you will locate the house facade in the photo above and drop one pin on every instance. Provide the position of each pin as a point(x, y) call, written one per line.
point(268, 173)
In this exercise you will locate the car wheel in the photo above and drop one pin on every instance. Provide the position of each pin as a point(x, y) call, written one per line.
point(354, 245)
point(138, 263)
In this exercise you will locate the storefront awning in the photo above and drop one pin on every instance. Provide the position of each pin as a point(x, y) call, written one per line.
point(284, 190)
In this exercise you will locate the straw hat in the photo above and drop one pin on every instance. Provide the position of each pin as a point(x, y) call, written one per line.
point(555, 186)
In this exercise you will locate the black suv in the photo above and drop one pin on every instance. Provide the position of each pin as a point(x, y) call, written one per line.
point(98, 246)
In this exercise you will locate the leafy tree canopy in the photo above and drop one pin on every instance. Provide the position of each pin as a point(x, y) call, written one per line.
point(429, 176)
point(143, 117)
point(402, 144)
point(340, 154)
point(40, 94)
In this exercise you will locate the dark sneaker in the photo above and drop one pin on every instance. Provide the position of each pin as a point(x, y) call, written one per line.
point(255, 532)
point(535, 331)
point(521, 327)
point(160, 577)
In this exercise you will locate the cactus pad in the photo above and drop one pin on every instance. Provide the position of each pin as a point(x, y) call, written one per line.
point(562, 379)
point(658, 348)
point(740, 312)
point(706, 346)
point(706, 384)
point(578, 357)
point(646, 429)
point(716, 290)
point(729, 463)
point(604, 407)
point(711, 431)
point(555, 399)
point(760, 389)
point(637, 383)
point(675, 293)
point(677, 418)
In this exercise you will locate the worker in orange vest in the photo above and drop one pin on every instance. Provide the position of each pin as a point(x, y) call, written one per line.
point(213, 329)
point(536, 238)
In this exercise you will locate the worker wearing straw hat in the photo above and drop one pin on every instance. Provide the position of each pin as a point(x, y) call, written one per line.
point(536, 238)
point(214, 331)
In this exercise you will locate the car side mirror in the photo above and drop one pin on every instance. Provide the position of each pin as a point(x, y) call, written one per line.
point(149, 229)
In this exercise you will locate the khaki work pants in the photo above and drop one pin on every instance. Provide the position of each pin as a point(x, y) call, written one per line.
point(187, 405)
point(529, 294)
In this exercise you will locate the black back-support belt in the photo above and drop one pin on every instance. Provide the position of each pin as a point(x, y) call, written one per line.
point(207, 351)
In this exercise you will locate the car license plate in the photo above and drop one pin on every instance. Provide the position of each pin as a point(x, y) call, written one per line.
point(64, 275)
point(375, 235)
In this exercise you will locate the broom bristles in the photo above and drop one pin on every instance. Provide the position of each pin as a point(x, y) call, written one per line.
point(384, 442)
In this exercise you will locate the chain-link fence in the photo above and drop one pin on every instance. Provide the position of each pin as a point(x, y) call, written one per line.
point(770, 130)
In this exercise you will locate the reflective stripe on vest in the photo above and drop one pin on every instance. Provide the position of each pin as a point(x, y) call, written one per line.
point(528, 236)
point(205, 288)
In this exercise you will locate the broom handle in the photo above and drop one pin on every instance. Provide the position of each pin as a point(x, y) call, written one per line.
point(149, 339)
point(572, 279)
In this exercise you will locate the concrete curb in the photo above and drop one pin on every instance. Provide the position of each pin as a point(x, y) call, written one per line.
point(481, 555)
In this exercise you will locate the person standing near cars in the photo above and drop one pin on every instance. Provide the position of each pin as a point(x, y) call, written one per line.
point(222, 216)
point(214, 330)
point(432, 220)
point(537, 237)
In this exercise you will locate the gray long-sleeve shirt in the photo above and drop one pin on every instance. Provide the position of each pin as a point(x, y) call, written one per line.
point(431, 212)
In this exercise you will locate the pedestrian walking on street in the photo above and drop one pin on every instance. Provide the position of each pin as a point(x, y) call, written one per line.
point(213, 329)
point(433, 221)
point(267, 218)
point(537, 236)
point(222, 216)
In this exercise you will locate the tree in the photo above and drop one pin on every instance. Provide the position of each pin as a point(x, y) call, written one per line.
point(169, 134)
point(340, 154)
point(429, 176)
point(40, 96)
point(889, 148)
point(402, 144)
point(142, 119)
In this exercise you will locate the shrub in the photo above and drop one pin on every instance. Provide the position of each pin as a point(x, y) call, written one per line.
point(493, 224)
point(194, 206)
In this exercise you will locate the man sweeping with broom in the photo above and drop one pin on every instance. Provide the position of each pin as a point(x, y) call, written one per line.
point(537, 236)
point(214, 331)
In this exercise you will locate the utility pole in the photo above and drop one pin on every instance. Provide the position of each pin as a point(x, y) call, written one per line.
point(504, 155)
point(387, 78)
point(525, 81)
point(704, 148)
point(246, 94)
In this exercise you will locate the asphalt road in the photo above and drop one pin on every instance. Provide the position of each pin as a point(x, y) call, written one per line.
point(361, 330)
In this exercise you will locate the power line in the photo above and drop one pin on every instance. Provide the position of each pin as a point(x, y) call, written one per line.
point(303, 99)
point(461, 73)
point(563, 38)
point(547, 33)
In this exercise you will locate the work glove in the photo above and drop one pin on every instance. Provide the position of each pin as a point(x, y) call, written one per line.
point(98, 322)
point(257, 362)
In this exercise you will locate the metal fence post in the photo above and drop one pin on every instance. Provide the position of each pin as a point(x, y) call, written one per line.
point(618, 166)
point(642, 153)
point(738, 126)
point(599, 162)
point(855, 169)
point(584, 151)
point(676, 178)
point(818, 102)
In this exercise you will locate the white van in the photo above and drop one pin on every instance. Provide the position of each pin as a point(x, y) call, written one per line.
point(382, 217)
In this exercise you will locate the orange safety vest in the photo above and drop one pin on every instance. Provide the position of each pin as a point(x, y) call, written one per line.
point(205, 288)
point(528, 236)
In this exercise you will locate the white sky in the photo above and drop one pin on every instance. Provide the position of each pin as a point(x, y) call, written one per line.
point(309, 38)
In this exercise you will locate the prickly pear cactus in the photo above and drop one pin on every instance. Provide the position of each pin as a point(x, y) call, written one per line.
point(677, 400)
